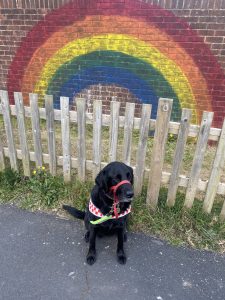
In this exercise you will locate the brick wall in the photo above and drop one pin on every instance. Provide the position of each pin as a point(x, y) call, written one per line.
point(206, 20)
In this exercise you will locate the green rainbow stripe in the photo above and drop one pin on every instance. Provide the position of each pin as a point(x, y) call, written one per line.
point(128, 46)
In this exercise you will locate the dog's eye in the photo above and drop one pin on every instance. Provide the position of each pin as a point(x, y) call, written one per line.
point(128, 176)
point(114, 181)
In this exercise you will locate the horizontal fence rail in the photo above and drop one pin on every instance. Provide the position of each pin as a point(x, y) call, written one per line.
point(214, 133)
point(155, 175)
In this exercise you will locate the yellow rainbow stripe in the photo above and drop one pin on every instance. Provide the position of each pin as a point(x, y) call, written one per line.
point(127, 45)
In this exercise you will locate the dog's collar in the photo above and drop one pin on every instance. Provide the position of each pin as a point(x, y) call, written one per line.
point(96, 212)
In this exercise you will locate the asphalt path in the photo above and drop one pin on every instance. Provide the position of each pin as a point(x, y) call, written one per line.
point(43, 257)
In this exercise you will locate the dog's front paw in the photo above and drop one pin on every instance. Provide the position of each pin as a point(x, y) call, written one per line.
point(91, 257)
point(121, 257)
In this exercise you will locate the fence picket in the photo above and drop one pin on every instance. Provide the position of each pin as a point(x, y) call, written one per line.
point(51, 133)
point(2, 156)
point(128, 130)
point(179, 152)
point(222, 213)
point(22, 132)
point(65, 128)
point(114, 127)
point(97, 126)
point(198, 158)
point(8, 129)
point(81, 120)
point(215, 174)
point(142, 147)
point(158, 151)
point(35, 121)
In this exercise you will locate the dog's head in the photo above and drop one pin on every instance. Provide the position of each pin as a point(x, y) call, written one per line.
point(113, 174)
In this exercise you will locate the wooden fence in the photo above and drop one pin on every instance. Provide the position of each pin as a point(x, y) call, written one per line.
point(161, 126)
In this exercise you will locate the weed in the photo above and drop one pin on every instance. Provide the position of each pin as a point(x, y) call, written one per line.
point(47, 187)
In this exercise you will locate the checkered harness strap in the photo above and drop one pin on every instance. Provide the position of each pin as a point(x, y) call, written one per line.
point(96, 211)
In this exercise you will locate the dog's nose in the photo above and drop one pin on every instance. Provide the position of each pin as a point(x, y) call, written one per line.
point(129, 194)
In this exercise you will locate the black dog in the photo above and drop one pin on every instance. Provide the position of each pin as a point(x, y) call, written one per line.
point(108, 208)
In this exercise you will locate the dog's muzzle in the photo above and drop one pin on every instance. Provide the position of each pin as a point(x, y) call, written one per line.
point(116, 200)
point(128, 195)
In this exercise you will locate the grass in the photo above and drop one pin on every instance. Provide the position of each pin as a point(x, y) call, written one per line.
point(180, 226)
point(176, 225)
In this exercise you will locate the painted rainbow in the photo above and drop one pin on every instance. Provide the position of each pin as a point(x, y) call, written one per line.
point(127, 43)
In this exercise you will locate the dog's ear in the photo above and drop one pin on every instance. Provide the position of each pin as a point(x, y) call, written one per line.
point(131, 175)
point(101, 180)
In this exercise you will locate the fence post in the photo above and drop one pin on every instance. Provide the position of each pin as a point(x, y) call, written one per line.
point(114, 125)
point(35, 120)
point(97, 126)
point(8, 129)
point(216, 171)
point(22, 132)
point(51, 133)
point(178, 157)
point(128, 130)
point(198, 158)
point(142, 147)
point(158, 151)
point(81, 119)
point(65, 128)
point(2, 156)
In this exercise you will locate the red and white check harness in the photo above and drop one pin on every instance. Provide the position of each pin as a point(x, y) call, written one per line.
point(96, 211)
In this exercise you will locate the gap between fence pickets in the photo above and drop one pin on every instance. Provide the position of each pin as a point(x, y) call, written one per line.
point(183, 180)
point(173, 126)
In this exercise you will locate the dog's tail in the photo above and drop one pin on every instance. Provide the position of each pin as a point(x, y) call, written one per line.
point(74, 212)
